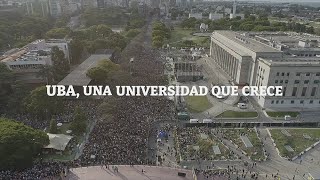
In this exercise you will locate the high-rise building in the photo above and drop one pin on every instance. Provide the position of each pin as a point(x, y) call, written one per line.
point(55, 7)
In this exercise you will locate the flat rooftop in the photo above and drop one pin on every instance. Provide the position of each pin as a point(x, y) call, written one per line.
point(246, 42)
point(129, 173)
point(78, 77)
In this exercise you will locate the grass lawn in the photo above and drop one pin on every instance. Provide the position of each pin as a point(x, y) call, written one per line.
point(180, 34)
point(296, 140)
point(282, 114)
point(197, 104)
point(190, 137)
point(62, 129)
point(235, 114)
point(255, 152)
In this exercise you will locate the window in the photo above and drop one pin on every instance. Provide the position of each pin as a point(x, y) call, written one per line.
point(281, 81)
point(298, 74)
point(301, 102)
point(313, 91)
point(306, 81)
point(278, 73)
point(282, 74)
point(296, 81)
point(317, 74)
point(308, 74)
point(276, 81)
point(284, 91)
point(304, 90)
point(286, 81)
point(272, 102)
point(294, 91)
point(292, 102)
point(282, 101)
point(316, 81)
point(277, 101)
point(288, 74)
point(311, 102)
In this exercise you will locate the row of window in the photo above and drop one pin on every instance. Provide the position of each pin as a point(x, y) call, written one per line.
point(303, 92)
point(291, 102)
point(296, 81)
point(307, 74)
point(297, 74)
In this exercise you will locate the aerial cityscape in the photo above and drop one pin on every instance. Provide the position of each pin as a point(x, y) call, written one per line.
point(90, 48)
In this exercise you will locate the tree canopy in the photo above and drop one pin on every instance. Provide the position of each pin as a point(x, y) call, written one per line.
point(60, 64)
point(159, 34)
point(6, 80)
point(104, 72)
point(40, 104)
point(19, 144)
point(79, 122)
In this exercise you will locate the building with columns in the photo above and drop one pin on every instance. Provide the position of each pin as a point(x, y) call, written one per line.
point(290, 60)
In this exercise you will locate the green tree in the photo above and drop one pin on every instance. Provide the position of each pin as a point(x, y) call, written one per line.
point(61, 65)
point(6, 80)
point(58, 33)
point(104, 72)
point(79, 123)
point(19, 92)
point(53, 127)
point(76, 48)
point(19, 144)
point(40, 104)
point(46, 72)
point(132, 33)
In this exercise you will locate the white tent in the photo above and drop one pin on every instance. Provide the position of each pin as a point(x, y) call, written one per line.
point(58, 141)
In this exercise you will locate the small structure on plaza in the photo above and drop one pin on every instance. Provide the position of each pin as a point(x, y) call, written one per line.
point(289, 148)
point(216, 150)
point(306, 136)
point(246, 141)
point(286, 133)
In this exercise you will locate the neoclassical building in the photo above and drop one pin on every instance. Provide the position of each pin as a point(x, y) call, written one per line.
point(283, 59)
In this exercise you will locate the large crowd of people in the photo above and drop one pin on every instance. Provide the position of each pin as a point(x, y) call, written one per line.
point(117, 138)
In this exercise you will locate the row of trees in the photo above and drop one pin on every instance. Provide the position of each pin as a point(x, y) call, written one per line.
point(160, 33)
point(18, 29)
point(249, 23)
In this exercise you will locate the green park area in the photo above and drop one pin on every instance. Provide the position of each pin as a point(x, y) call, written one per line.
point(195, 144)
point(256, 151)
point(197, 104)
point(235, 114)
point(291, 142)
point(181, 37)
point(282, 114)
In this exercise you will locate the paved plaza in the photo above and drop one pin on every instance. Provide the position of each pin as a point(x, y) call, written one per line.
point(128, 173)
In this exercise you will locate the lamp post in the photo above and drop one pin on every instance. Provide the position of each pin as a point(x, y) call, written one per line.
point(131, 64)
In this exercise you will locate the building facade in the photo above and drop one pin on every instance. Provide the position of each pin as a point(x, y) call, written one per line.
point(29, 60)
point(289, 60)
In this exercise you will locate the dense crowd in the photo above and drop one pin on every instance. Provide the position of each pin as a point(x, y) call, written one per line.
point(48, 170)
point(117, 138)
point(40, 170)
point(122, 138)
